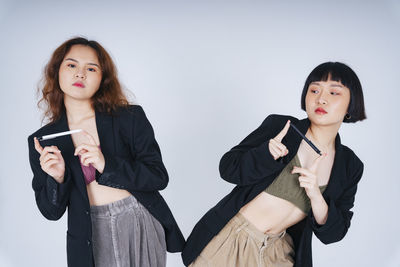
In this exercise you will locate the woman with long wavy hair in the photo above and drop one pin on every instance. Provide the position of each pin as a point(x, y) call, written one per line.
point(108, 173)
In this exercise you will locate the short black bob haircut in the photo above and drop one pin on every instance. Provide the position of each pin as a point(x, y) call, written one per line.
point(339, 72)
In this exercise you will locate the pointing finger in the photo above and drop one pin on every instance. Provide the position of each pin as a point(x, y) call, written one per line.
point(38, 147)
point(301, 171)
point(85, 147)
point(284, 131)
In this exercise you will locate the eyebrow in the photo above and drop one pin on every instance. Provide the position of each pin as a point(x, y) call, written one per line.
point(93, 64)
point(333, 85)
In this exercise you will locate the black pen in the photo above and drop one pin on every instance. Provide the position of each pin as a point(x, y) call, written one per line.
point(307, 140)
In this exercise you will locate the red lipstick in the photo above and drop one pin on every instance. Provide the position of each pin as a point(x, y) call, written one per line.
point(320, 111)
point(78, 84)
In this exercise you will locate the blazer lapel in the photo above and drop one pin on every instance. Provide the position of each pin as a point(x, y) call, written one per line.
point(104, 124)
point(338, 172)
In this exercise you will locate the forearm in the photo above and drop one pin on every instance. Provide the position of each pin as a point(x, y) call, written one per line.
point(251, 161)
point(320, 209)
point(135, 175)
point(339, 214)
point(248, 167)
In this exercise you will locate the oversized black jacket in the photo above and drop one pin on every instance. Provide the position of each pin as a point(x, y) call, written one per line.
point(132, 162)
point(252, 168)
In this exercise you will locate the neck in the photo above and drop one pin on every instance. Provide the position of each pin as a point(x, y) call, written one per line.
point(323, 136)
point(77, 111)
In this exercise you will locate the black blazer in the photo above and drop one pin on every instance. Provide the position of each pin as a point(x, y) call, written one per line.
point(132, 162)
point(252, 168)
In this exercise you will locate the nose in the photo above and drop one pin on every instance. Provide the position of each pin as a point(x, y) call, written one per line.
point(80, 74)
point(321, 99)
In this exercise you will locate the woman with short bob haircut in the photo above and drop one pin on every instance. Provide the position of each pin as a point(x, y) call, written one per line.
point(107, 174)
point(285, 189)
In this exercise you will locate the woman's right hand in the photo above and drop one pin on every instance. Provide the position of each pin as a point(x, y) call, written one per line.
point(276, 148)
point(51, 161)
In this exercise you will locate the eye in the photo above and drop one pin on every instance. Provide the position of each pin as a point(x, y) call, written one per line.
point(92, 69)
point(334, 93)
point(71, 65)
point(314, 91)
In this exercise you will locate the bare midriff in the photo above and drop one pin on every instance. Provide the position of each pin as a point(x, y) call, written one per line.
point(101, 195)
point(271, 214)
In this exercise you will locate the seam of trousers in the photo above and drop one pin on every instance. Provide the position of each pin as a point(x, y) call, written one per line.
point(114, 240)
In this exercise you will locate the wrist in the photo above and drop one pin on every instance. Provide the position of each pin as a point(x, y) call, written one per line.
point(317, 198)
point(60, 179)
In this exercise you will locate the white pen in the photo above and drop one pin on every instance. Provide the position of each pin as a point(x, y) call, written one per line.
point(50, 136)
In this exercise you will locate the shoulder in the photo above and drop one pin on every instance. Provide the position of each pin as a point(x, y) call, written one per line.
point(130, 110)
point(132, 118)
point(351, 156)
point(129, 113)
point(278, 119)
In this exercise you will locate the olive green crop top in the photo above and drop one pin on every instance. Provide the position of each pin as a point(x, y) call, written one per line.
point(286, 186)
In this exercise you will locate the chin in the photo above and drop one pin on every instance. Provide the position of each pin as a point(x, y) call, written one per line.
point(324, 121)
point(77, 97)
point(320, 119)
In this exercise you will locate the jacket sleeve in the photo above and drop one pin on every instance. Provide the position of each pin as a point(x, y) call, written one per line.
point(250, 161)
point(144, 172)
point(339, 214)
point(51, 196)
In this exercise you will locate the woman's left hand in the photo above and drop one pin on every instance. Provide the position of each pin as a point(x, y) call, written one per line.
point(308, 178)
point(90, 153)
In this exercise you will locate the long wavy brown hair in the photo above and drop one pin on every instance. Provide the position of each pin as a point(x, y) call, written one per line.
point(108, 98)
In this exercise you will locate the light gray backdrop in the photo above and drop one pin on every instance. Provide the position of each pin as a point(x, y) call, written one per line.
point(207, 73)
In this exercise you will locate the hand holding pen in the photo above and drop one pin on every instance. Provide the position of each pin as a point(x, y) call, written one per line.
point(308, 178)
point(51, 161)
point(277, 149)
